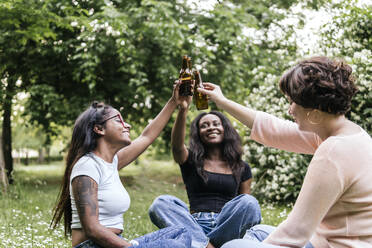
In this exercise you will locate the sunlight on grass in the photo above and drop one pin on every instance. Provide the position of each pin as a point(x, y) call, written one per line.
point(27, 208)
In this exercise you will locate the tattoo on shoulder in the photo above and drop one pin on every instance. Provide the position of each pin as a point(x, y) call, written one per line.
point(86, 195)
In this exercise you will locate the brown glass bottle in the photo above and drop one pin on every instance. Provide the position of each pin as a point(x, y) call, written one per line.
point(186, 78)
point(189, 64)
point(201, 100)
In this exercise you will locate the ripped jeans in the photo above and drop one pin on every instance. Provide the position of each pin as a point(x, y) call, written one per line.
point(254, 237)
point(236, 216)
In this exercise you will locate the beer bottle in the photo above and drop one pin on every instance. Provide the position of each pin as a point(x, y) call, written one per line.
point(201, 100)
point(186, 78)
point(189, 64)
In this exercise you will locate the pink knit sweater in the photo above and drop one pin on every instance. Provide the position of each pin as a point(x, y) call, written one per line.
point(334, 207)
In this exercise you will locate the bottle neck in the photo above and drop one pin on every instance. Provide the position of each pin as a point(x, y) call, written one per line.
point(198, 80)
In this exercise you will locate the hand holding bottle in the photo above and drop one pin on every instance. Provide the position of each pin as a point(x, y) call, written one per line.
point(213, 92)
point(240, 112)
point(201, 100)
point(186, 77)
point(182, 101)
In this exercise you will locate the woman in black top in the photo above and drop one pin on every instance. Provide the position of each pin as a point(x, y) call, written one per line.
point(217, 181)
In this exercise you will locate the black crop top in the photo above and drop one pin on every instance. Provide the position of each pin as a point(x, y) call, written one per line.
point(210, 196)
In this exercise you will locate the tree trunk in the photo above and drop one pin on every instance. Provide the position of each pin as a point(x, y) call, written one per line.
point(26, 158)
point(7, 130)
point(3, 177)
point(41, 158)
point(47, 148)
point(19, 156)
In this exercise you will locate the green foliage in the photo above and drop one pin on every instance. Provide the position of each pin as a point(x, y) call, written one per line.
point(25, 27)
point(65, 54)
point(350, 37)
point(126, 53)
point(28, 137)
point(24, 24)
point(253, 81)
point(278, 174)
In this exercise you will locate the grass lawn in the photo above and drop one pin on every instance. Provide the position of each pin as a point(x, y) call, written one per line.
point(26, 210)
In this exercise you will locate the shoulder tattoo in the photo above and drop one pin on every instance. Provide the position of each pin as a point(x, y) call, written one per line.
point(85, 193)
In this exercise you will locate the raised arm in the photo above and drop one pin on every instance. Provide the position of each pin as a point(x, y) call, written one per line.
point(85, 193)
point(243, 114)
point(179, 149)
point(281, 134)
point(151, 131)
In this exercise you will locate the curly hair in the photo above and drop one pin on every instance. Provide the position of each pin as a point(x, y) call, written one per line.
point(320, 83)
point(231, 147)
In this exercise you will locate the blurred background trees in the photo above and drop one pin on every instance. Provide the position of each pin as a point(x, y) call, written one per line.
point(59, 55)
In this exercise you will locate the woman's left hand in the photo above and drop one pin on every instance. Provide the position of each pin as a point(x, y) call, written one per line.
point(182, 101)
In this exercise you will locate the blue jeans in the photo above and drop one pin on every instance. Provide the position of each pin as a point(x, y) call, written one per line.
point(171, 237)
point(254, 237)
point(236, 216)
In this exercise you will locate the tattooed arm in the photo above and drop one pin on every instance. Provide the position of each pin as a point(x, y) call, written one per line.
point(85, 191)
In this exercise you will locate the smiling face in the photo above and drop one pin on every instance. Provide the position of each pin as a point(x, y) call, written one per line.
point(211, 130)
point(115, 129)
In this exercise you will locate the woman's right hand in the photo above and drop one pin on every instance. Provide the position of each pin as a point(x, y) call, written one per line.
point(240, 112)
point(213, 92)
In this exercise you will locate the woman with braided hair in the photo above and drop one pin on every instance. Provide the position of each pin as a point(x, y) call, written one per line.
point(92, 199)
point(334, 206)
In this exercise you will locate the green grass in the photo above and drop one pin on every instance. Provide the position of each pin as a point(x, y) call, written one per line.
point(27, 208)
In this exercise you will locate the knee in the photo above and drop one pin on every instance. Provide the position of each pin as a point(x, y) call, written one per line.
point(236, 243)
point(258, 232)
point(160, 203)
point(248, 202)
point(248, 205)
point(262, 228)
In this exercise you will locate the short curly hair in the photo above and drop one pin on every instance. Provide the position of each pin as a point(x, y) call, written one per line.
point(320, 83)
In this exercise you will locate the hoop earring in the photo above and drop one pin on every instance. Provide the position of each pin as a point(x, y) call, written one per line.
point(309, 120)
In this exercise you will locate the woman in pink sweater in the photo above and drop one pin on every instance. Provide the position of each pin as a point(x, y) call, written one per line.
point(334, 207)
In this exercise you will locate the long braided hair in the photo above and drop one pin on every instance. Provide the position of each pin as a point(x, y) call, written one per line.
point(83, 141)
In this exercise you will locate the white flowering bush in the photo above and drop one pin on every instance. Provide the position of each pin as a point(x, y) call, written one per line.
point(278, 175)
point(349, 36)
point(362, 104)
